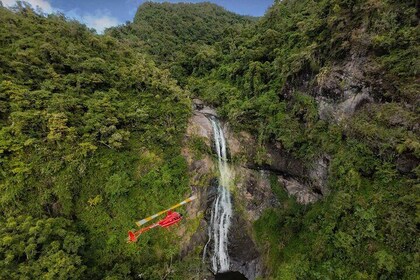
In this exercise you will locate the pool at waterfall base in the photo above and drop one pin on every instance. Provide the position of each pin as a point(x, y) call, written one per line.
point(230, 275)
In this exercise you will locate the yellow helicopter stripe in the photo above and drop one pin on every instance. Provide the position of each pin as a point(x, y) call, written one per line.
point(142, 222)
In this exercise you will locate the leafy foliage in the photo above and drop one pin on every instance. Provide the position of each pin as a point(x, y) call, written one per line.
point(179, 36)
point(79, 113)
point(40, 248)
point(91, 132)
point(269, 79)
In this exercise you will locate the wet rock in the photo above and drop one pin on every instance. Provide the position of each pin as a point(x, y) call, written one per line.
point(241, 247)
point(211, 194)
point(243, 252)
point(230, 275)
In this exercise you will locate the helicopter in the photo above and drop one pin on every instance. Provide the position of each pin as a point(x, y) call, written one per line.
point(170, 219)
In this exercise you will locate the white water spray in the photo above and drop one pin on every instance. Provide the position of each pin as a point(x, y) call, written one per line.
point(221, 212)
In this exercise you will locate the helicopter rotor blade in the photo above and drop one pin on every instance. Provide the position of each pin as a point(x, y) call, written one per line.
point(145, 220)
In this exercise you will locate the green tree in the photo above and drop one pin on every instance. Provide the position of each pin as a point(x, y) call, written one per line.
point(33, 248)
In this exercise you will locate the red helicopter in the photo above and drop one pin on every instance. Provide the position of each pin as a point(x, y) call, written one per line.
point(170, 219)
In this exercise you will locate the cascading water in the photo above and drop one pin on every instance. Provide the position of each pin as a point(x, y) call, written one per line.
point(221, 211)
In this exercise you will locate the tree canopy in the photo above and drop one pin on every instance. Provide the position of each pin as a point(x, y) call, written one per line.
point(80, 116)
point(178, 36)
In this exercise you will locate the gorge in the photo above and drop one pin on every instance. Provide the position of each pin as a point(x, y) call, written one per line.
point(298, 132)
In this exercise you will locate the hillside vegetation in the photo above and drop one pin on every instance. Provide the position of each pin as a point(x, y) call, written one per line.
point(179, 36)
point(92, 128)
point(273, 81)
point(89, 142)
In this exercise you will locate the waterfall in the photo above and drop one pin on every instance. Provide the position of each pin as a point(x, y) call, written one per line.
point(221, 211)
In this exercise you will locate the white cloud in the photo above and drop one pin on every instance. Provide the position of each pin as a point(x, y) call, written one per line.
point(44, 5)
point(99, 20)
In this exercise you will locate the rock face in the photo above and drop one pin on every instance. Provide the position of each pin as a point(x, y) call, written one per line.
point(199, 124)
point(282, 162)
point(318, 174)
point(406, 164)
point(252, 193)
point(244, 256)
point(312, 178)
point(343, 89)
point(243, 252)
point(301, 192)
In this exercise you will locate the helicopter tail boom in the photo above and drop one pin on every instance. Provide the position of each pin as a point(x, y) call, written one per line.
point(142, 222)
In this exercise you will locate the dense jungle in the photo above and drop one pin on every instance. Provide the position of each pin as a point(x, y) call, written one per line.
point(97, 131)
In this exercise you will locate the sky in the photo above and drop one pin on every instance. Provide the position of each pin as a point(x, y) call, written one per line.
point(100, 14)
